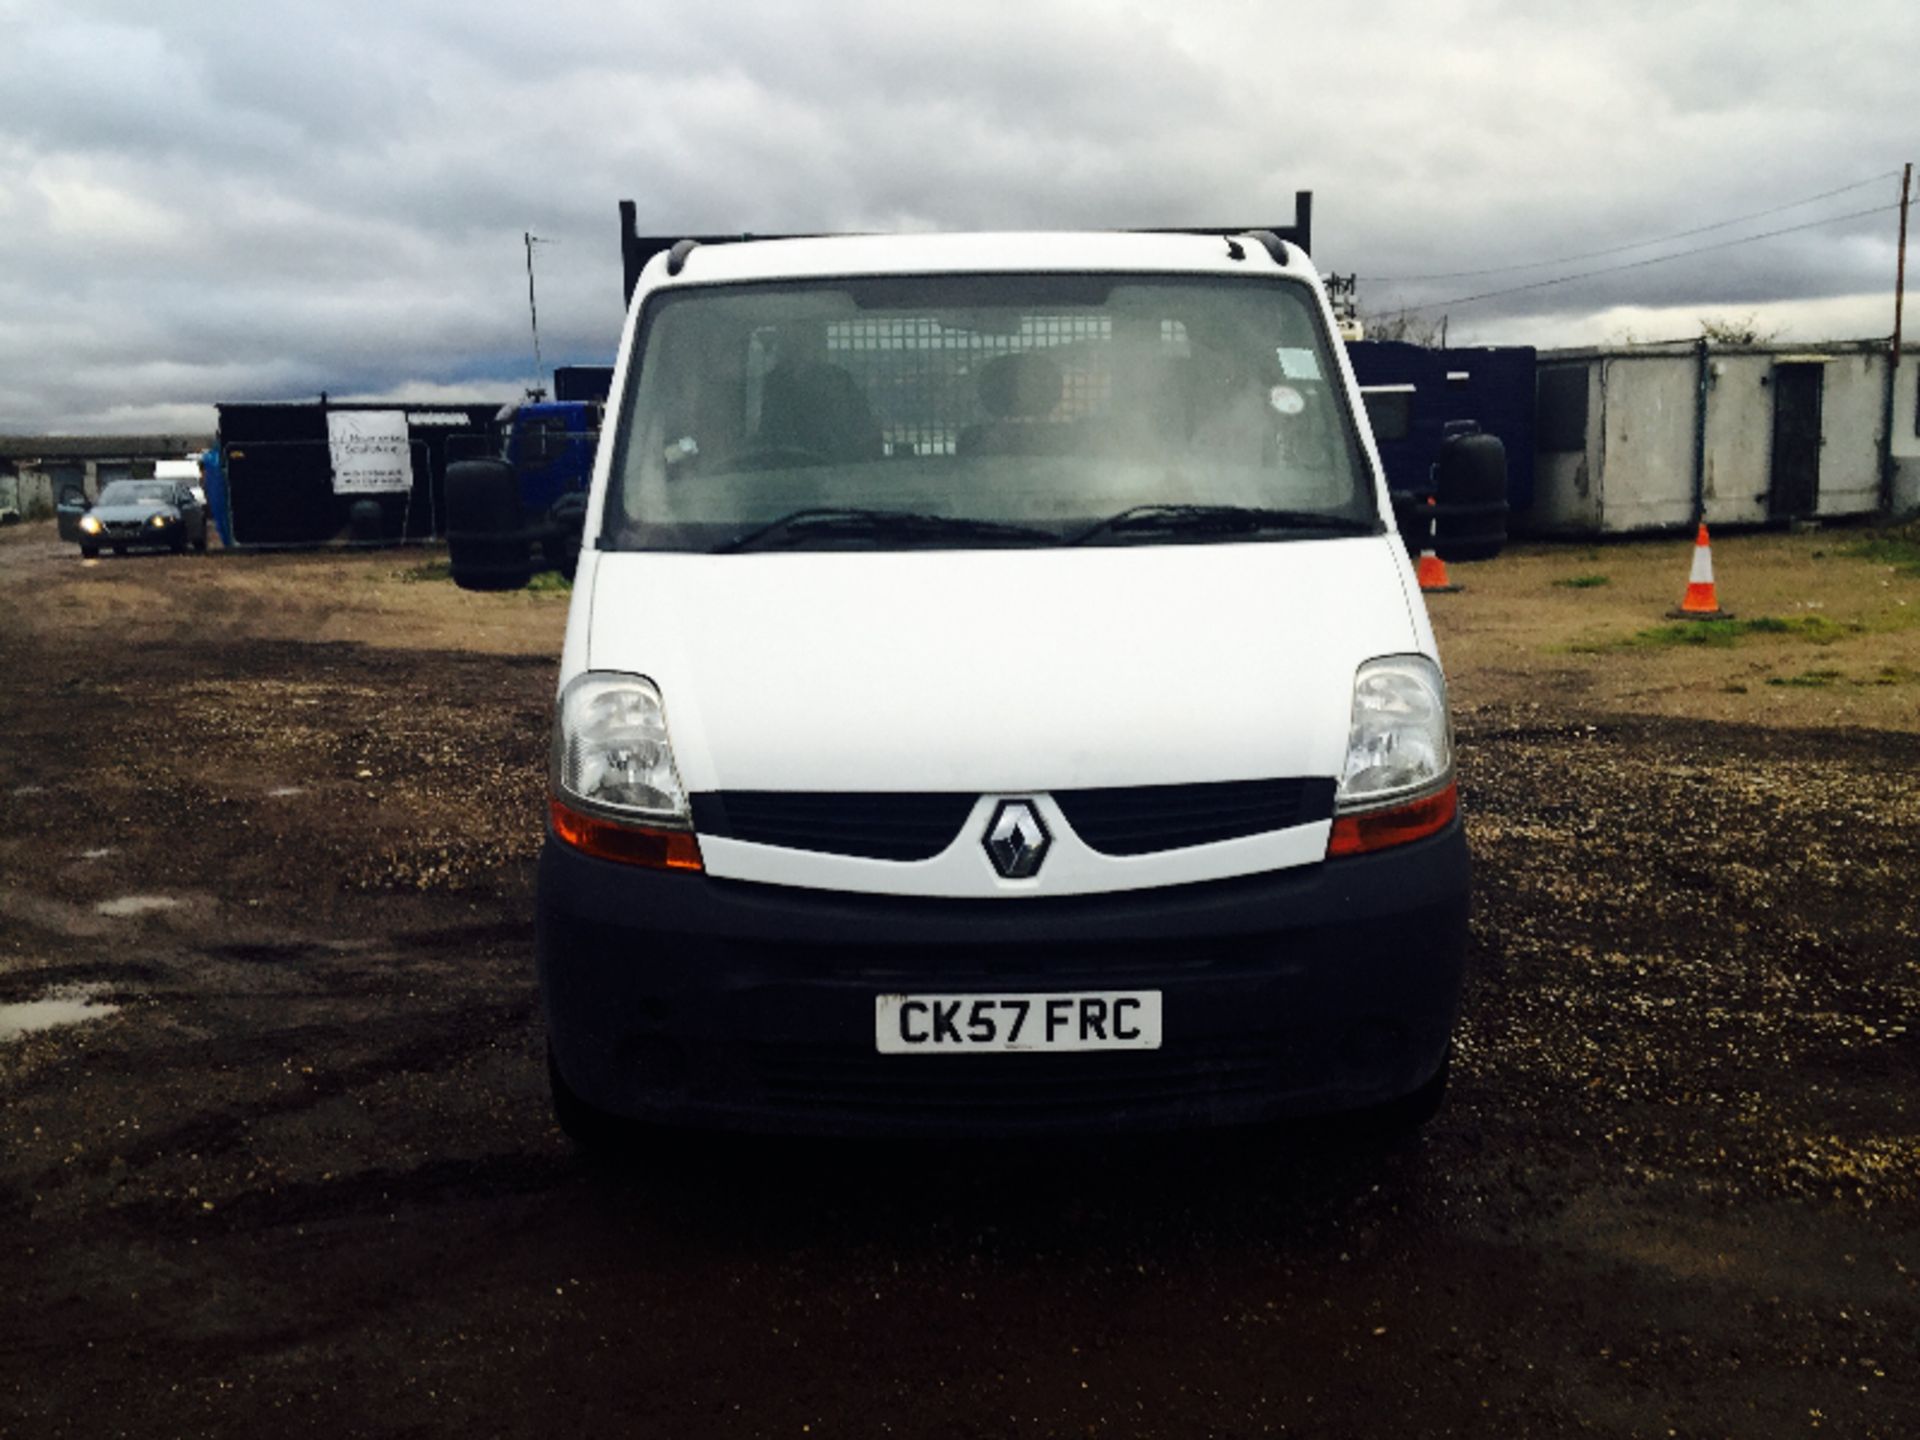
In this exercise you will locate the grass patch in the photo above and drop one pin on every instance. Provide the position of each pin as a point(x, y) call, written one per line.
point(1724, 634)
point(550, 582)
point(1583, 582)
point(1822, 679)
point(1898, 547)
point(432, 570)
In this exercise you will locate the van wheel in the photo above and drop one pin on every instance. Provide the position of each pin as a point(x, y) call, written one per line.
point(592, 1131)
point(201, 543)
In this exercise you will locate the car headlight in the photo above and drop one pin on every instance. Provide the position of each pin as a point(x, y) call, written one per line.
point(1400, 743)
point(160, 520)
point(616, 793)
point(611, 752)
point(90, 524)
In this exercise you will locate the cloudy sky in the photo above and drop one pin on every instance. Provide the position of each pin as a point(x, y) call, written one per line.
point(221, 201)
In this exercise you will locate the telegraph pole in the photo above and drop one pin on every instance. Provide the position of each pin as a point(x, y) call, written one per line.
point(1893, 350)
point(533, 313)
point(1900, 264)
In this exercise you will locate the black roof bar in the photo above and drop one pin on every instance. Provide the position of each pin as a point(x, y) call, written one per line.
point(636, 249)
point(1300, 232)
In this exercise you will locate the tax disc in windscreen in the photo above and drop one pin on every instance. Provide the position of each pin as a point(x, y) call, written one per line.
point(1286, 400)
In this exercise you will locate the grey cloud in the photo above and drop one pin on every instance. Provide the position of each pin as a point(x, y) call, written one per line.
point(242, 201)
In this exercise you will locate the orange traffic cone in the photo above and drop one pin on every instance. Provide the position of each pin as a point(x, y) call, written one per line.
point(1702, 603)
point(1431, 572)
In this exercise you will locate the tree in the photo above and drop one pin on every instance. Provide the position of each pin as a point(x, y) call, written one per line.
point(1407, 326)
point(1735, 330)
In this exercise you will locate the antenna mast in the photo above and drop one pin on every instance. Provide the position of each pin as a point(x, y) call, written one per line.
point(536, 390)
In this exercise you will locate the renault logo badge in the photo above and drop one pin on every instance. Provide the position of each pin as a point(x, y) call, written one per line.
point(1016, 840)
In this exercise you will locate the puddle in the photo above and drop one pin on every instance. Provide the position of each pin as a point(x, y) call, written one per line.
point(100, 854)
point(284, 792)
point(62, 1005)
point(136, 905)
point(28, 790)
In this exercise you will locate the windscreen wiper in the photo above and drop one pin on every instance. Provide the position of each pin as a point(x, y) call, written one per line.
point(1218, 519)
point(885, 524)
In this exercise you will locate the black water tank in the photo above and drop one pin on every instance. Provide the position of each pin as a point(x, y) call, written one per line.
point(1470, 481)
point(365, 523)
point(487, 542)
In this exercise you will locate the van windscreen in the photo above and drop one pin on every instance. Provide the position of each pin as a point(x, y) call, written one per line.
point(963, 411)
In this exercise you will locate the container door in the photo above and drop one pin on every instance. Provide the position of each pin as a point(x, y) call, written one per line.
point(1795, 488)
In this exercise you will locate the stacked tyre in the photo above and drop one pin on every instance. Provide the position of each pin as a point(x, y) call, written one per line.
point(565, 522)
point(488, 547)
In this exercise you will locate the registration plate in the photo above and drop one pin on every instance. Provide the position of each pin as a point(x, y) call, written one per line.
point(999, 1024)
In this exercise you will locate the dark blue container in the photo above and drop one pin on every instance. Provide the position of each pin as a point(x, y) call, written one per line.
point(1412, 393)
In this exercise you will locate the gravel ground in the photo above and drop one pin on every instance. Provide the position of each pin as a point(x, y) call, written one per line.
point(266, 826)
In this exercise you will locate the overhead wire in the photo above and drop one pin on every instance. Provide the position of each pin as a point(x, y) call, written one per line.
point(1631, 245)
point(1642, 264)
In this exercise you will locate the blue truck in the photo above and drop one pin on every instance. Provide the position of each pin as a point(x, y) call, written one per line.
point(550, 444)
point(534, 502)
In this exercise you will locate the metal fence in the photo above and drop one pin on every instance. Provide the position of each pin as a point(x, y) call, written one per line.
point(281, 485)
point(281, 492)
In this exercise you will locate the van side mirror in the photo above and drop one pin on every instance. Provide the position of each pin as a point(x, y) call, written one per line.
point(1470, 484)
point(489, 544)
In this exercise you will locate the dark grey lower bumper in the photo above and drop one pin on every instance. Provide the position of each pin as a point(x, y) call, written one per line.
point(687, 999)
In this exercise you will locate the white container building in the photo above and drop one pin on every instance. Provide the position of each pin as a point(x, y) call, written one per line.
point(1649, 437)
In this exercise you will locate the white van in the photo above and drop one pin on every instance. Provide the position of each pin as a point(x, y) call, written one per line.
point(995, 698)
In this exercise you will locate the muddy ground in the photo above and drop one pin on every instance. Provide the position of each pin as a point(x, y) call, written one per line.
point(292, 1171)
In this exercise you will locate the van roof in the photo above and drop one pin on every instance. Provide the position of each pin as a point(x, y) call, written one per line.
point(906, 254)
point(948, 253)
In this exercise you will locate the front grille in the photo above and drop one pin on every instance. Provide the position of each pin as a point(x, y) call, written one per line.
point(872, 824)
point(1142, 819)
point(1022, 964)
point(1124, 820)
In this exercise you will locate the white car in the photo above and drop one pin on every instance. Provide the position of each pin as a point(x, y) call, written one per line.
point(995, 698)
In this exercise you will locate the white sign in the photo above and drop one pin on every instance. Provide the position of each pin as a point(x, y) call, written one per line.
point(370, 452)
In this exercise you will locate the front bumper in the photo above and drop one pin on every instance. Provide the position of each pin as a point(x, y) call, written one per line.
point(158, 536)
point(690, 1000)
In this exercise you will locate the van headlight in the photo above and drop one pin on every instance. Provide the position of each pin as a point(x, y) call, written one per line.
point(1400, 743)
point(611, 753)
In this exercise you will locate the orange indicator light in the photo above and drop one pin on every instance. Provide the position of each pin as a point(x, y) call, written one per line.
point(628, 844)
point(1380, 829)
